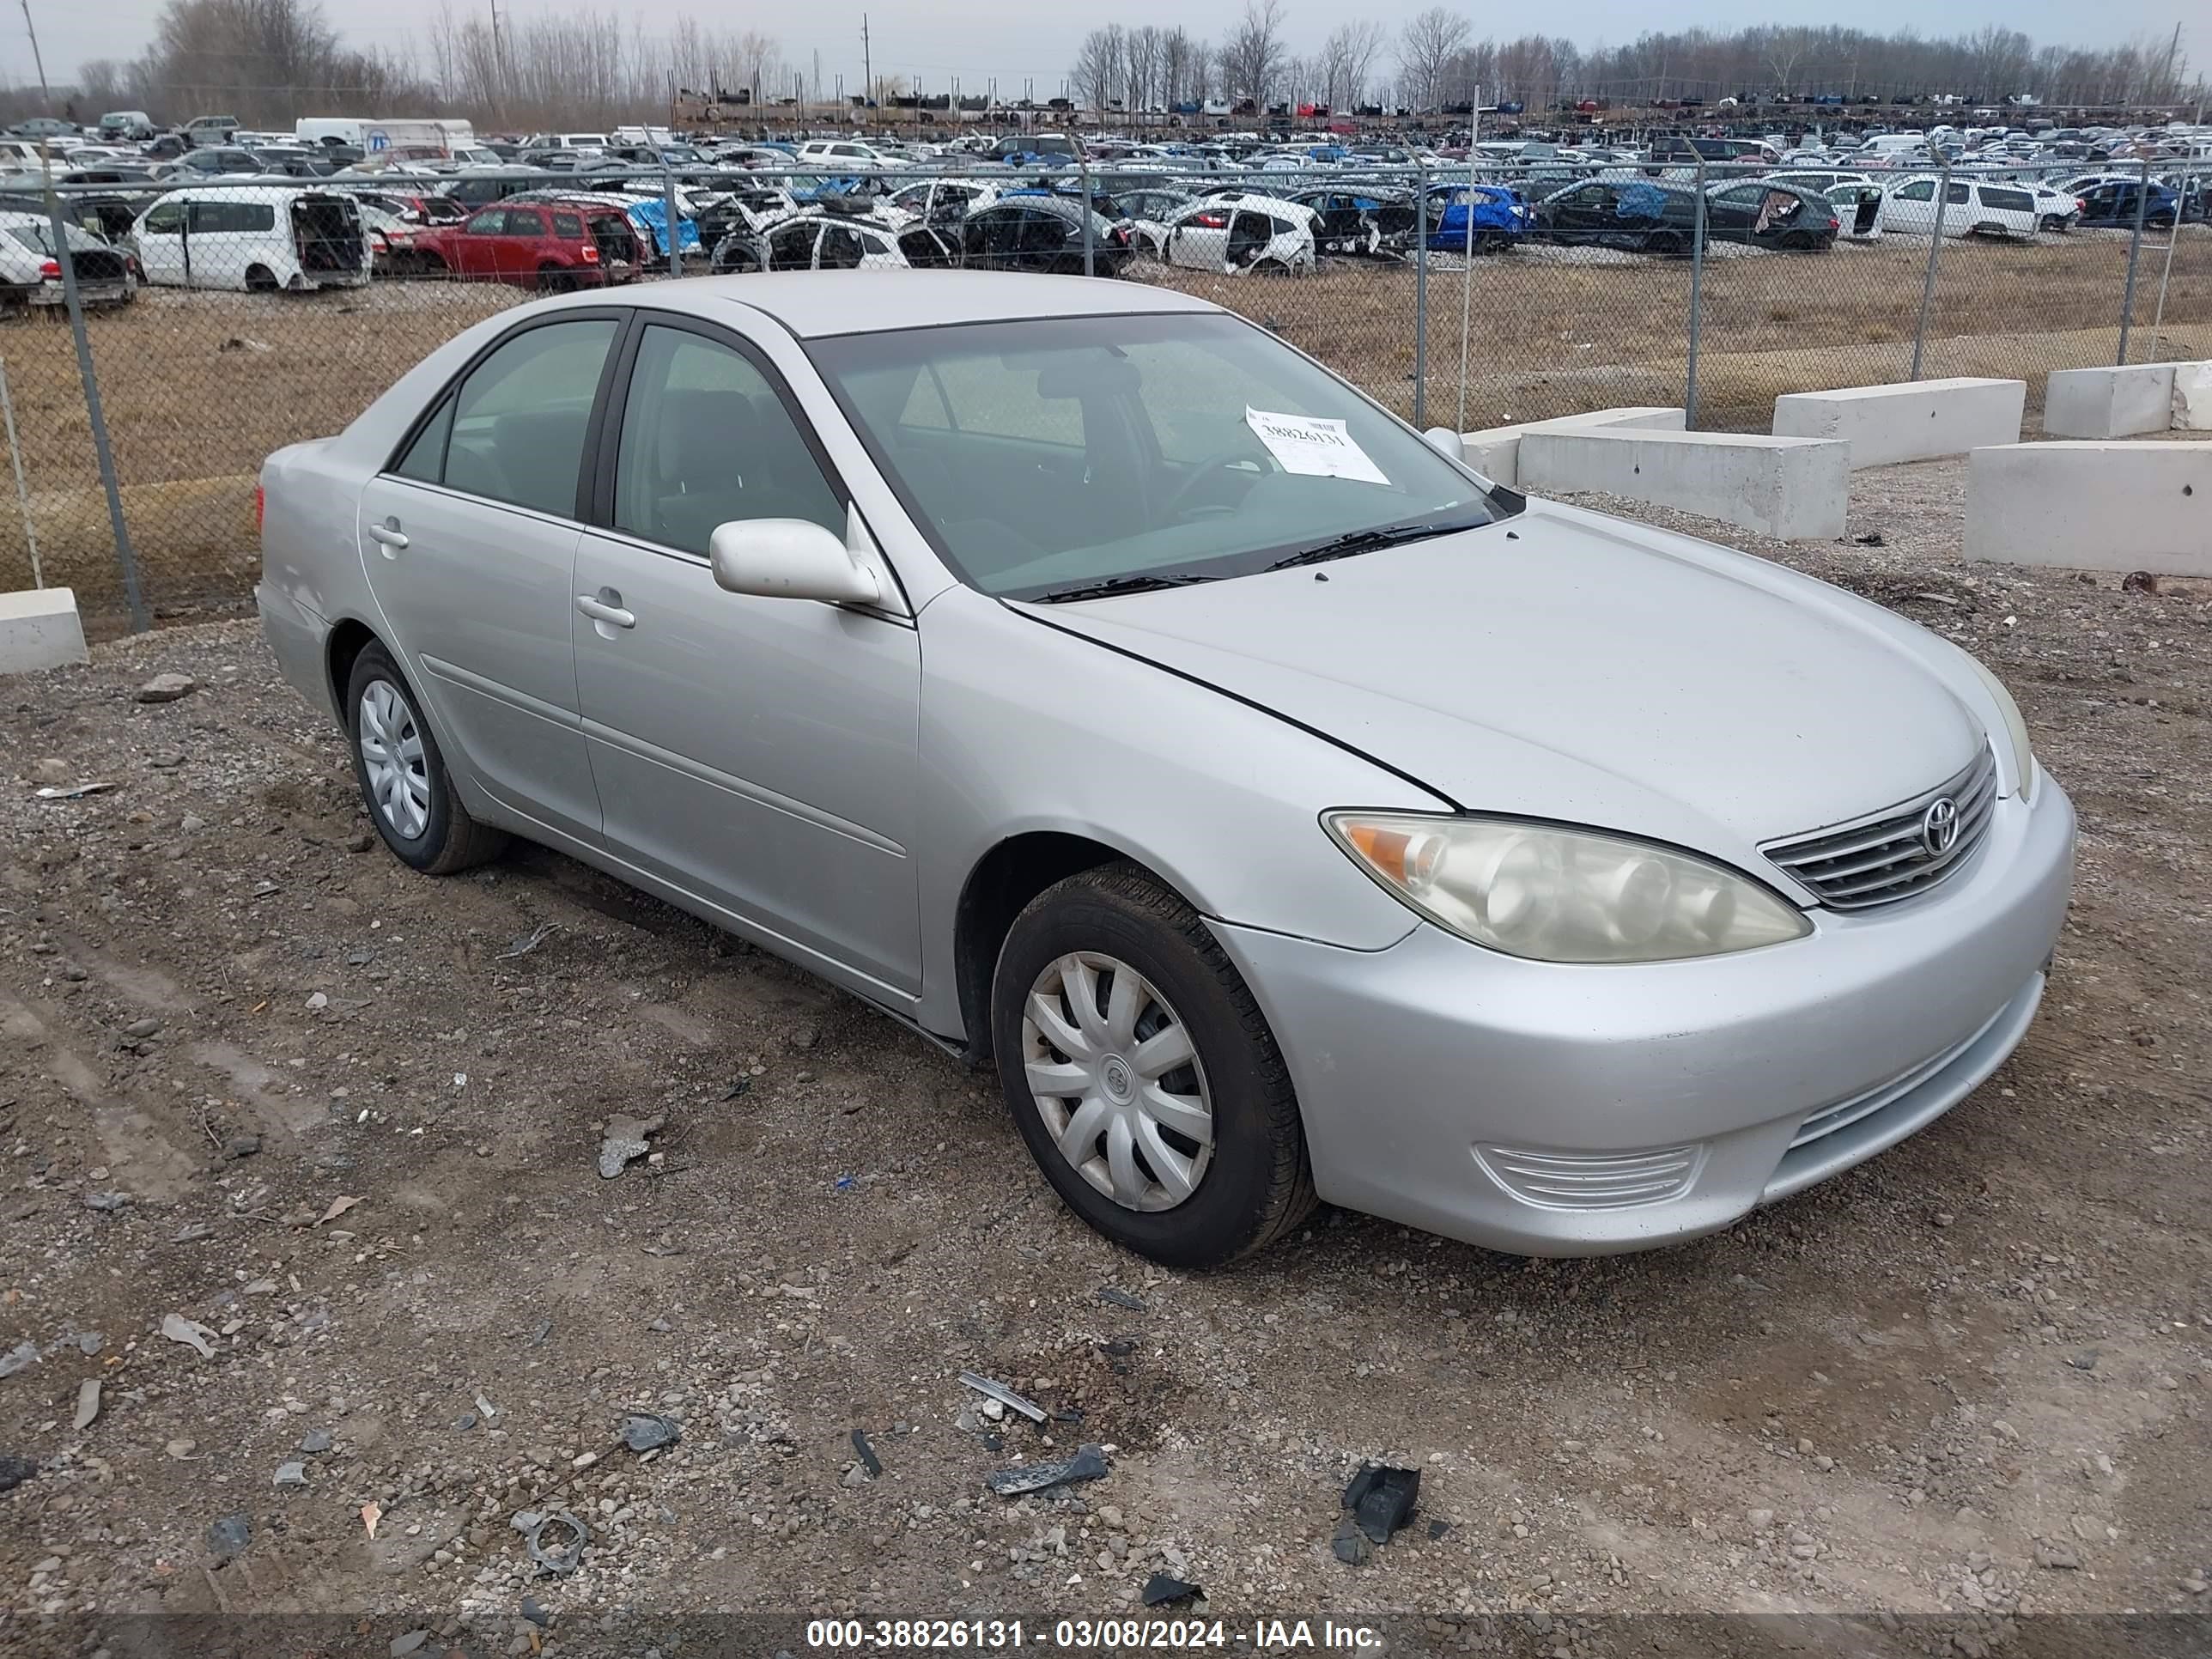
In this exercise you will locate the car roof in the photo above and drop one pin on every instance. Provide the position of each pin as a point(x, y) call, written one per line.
point(817, 304)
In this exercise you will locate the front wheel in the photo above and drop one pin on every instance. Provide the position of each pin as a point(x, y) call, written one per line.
point(402, 775)
point(1142, 1074)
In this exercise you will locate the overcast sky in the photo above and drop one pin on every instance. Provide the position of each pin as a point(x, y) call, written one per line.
point(1017, 39)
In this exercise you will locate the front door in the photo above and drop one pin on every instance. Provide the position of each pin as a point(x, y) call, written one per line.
point(760, 754)
point(469, 544)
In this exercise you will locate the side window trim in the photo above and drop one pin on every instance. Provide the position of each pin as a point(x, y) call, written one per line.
point(623, 317)
point(602, 449)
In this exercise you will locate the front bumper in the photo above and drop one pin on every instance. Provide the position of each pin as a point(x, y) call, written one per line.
point(1556, 1109)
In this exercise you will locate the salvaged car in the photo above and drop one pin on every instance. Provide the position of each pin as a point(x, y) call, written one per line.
point(31, 269)
point(1360, 223)
point(1094, 684)
point(556, 246)
point(1234, 231)
point(1041, 233)
point(261, 237)
point(818, 241)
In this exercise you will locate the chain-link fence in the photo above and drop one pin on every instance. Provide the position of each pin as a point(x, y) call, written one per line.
point(216, 321)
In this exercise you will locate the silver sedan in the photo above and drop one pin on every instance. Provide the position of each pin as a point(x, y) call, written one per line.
point(1097, 686)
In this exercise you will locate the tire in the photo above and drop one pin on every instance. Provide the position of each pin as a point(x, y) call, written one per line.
point(1253, 1183)
point(259, 279)
point(555, 279)
point(449, 839)
point(1667, 244)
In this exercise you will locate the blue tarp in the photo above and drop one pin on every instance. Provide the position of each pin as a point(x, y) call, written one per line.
point(650, 218)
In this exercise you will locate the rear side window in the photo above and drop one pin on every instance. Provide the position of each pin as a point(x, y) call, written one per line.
point(425, 459)
point(521, 221)
point(568, 225)
point(2012, 200)
point(519, 420)
point(206, 218)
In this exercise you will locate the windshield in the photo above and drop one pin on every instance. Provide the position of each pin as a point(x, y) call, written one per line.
point(1045, 458)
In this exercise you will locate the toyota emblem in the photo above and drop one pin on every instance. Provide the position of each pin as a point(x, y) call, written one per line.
point(1939, 827)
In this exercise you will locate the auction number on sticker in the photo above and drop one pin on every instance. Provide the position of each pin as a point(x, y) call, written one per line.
point(883, 1634)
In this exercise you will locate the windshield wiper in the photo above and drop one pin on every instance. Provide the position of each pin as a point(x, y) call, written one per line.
point(1365, 541)
point(1118, 585)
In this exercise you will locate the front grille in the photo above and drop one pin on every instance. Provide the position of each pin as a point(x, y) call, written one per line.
point(1592, 1180)
point(1886, 855)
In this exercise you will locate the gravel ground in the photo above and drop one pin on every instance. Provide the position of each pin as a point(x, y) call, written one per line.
point(343, 1122)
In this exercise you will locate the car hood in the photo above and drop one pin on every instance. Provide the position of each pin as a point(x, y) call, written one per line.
point(1564, 665)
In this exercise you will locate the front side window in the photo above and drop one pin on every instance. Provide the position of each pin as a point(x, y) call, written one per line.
point(490, 222)
point(1041, 455)
point(520, 419)
point(706, 441)
point(165, 218)
point(1920, 190)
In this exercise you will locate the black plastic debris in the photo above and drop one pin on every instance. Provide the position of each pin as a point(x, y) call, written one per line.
point(14, 1471)
point(566, 1559)
point(1382, 1499)
point(1872, 538)
point(1160, 1590)
point(1121, 1298)
point(1349, 1544)
point(866, 1454)
point(1088, 1464)
point(1117, 1350)
point(1437, 1529)
point(537, 1615)
point(228, 1537)
point(644, 1432)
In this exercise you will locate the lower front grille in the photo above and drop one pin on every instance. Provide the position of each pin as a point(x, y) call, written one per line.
point(1844, 1112)
point(1899, 851)
point(1592, 1180)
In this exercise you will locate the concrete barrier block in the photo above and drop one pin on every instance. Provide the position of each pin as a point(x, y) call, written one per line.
point(1916, 422)
point(2108, 403)
point(2191, 410)
point(1792, 489)
point(1495, 451)
point(2093, 505)
point(39, 628)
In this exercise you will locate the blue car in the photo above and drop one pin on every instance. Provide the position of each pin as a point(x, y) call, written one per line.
point(1500, 218)
point(2113, 205)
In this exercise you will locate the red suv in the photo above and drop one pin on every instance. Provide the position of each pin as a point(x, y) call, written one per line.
point(556, 246)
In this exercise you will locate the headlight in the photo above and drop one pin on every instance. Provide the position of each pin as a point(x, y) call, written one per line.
point(2023, 753)
point(1563, 895)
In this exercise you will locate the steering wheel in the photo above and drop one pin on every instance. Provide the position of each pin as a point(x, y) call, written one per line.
point(1219, 461)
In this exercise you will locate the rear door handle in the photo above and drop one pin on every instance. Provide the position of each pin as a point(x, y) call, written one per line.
point(388, 533)
point(599, 610)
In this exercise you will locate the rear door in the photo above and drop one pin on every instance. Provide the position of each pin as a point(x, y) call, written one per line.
point(475, 245)
point(519, 244)
point(468, 540)
point(760, 754)
point(161, 240)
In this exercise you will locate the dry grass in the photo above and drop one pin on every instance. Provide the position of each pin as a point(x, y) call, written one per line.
point(198, 387)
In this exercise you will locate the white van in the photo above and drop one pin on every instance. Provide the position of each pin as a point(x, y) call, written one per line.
point(1971, 207)
point(259, 238)
point(375, 136)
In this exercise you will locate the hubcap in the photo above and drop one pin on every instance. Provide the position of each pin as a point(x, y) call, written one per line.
point(1117, 1081)
point(392, 759)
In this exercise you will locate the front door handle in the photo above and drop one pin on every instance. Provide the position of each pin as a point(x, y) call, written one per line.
point(600, 611)
point(388, 534)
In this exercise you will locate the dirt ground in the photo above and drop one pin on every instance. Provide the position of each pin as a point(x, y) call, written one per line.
point(344, 1120)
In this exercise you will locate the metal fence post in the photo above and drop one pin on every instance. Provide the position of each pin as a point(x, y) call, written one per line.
point(1421, 297)
point(1934, 250)
point(668, 209)
point(1697, 298)
point(124, 556)
point(2135, 255)
point(1467, 255)
point(22, 486)
point(1083, 172)
point(2189, 181)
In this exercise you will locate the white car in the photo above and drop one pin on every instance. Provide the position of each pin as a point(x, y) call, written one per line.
point(1234, 231)
point(845, 155)
point(30, 274)
point(2055, 209)
point(815, 240)
point(945, 201)
point(1971, 207)
point(259, 238)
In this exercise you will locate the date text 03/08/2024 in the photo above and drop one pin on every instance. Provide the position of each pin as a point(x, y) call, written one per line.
point(1076, 1635)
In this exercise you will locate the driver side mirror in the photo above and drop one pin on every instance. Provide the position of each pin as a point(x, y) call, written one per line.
point(1446, 443)
point(788, 559)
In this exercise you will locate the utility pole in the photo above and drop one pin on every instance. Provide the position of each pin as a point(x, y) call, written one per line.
point(868, 73)
point(45, 92)
point(498, 60)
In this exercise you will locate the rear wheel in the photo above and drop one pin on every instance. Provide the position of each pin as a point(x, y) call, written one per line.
point(259, 279)
point(555, 279)
point(1142, 1074)
point(1665, 244)
point(402, 775)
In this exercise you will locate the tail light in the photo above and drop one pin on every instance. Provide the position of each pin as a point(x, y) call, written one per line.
point(590, 253)
point(260, 508)
point(1835, 224)
point(51, 270)
point(1120, 236)
point(1209, 221)
point(2080, 206)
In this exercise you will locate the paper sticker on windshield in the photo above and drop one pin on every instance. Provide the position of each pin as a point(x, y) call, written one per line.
point(1314, 447)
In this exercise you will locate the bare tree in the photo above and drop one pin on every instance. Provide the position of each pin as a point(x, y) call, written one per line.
point(1253, 55)
point(1426, 48)
point(1347, 61)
